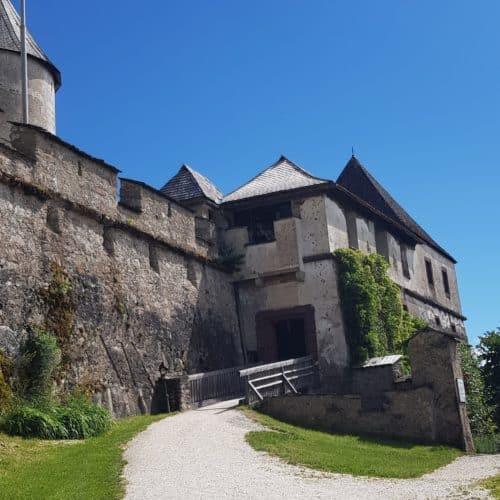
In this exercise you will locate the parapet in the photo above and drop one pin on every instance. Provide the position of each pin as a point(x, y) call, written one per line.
point(151, 211)
point(52, 168)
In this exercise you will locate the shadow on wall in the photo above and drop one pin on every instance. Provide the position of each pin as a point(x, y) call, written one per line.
point(194, 339)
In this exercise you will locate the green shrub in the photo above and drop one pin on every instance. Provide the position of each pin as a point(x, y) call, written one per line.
point(33, 421)
point(373, 312)
point(489, 443)
point(40, 359)
point(228, 259)
point(83, 419)
point(75, 419)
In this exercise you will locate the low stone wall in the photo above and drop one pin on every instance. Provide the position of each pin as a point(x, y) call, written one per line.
point(426, 409)
point(406, 414)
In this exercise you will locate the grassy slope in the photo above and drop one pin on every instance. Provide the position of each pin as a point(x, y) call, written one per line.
point(346, 454)
point(91, 469)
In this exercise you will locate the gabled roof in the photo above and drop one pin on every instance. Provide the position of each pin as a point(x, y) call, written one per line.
point(188, 184)
point(357, 180)
point(280, 176)
point(10, 38)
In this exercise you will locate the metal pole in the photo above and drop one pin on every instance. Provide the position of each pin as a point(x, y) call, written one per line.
point(24, 64)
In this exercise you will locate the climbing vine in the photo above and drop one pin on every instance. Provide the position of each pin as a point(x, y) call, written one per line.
point(375, 319)
point(58, 298)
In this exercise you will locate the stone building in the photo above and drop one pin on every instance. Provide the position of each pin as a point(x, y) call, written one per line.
point(140, 278)
point(287, 223)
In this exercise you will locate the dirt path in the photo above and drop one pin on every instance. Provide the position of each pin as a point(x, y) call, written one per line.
point(202, 454)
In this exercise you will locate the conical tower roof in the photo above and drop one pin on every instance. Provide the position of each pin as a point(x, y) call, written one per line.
point(10, 38)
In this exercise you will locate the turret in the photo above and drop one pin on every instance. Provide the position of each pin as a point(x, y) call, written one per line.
point(44, 78)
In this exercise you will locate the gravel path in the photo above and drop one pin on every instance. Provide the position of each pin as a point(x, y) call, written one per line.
point(202, 454)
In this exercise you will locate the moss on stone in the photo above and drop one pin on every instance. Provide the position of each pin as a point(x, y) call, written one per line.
point(58, 299)
point(6, 395)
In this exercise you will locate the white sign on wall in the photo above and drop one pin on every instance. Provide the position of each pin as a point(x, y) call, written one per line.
point(461, 390)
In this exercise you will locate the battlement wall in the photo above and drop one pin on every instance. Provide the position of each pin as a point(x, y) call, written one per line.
point(59, 170)
point(127, 278)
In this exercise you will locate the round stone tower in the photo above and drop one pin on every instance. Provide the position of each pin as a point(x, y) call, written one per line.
point(44, 78)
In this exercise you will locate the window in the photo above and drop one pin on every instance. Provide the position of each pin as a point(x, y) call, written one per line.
point(446, 282)
point(404, 262)
point(453, 328)
point(430, 275)
point(260, 221)
point(437, 320)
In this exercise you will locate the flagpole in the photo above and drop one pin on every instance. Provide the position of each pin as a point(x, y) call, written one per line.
point(24, 64)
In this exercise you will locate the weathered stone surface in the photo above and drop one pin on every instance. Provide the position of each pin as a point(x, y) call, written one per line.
point(9, 341)
point(126, 312)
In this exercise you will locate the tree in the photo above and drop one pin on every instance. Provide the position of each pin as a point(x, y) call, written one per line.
point(489, 354)
point(479, 408)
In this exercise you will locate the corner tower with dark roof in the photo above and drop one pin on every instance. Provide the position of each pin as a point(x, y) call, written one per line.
point(44, 77)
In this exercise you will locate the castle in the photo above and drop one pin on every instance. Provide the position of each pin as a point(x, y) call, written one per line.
point(139, 279)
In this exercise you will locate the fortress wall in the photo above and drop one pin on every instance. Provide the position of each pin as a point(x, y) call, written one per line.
point(153, 212)
point(128, 300)
point(54, 166)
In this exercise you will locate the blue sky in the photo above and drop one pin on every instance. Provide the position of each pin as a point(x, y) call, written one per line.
point(229, 85)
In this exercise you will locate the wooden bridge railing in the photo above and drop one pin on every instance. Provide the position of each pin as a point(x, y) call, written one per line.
point(274, 379)
point(216, 385)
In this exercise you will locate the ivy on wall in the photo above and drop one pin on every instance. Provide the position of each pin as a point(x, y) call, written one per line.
point(373, 312)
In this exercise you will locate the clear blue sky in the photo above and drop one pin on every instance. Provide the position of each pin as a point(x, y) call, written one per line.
point(228, 85)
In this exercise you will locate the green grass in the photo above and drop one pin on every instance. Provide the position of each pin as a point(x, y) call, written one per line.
point(493, 485)
point(346, 454)
point(50, 470)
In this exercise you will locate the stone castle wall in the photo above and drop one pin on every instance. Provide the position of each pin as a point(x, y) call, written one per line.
point(125, 281)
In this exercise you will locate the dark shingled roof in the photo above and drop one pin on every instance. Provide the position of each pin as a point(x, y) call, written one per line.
point(356, 179)
point(10, 38)
point(188, 184)
point(280, 176)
